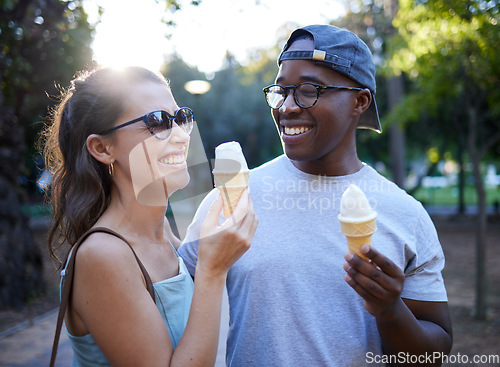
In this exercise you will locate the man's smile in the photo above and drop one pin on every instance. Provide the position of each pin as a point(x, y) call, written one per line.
point(295, 130)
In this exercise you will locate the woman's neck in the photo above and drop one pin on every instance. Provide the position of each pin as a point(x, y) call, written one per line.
point(127, 215)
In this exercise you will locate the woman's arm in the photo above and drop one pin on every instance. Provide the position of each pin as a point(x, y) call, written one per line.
point(111, 302)
point(219, 248)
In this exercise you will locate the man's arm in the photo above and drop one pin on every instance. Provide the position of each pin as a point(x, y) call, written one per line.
point(408, 326)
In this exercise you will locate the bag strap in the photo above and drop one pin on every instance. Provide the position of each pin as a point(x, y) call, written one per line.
point(68, 282)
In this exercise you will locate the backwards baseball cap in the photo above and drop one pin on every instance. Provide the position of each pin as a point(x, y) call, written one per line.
point(345, 53)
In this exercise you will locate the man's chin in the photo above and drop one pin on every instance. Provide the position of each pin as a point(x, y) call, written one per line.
point(295, 154)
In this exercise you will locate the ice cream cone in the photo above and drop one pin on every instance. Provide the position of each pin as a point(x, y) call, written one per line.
point(229, 179)
point(358, 233)
point(231, 195)
point(358, 221)
point(231, 186)
point(230, 174)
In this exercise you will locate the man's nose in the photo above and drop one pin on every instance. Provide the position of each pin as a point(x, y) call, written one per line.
point(289, 103)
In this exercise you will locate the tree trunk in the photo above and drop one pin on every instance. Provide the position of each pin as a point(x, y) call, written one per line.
point(481, 250)
point(481, 268)
point(461, 179)
point(396, 134)
point(395, 91)
point(21, 266)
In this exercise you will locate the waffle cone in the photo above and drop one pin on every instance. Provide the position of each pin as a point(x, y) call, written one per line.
point(230, 178)
point(231, 195)
point(358, 233)
point(231, 186)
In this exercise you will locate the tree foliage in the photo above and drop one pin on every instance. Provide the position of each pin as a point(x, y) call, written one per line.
point(449, 49)
point(369, 20)
point(234, 108)
point(42, 44)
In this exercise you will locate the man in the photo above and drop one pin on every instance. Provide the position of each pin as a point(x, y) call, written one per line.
point(296, 297)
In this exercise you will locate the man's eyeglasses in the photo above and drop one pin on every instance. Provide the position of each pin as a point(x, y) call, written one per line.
point(305, 94)
point(159, 123)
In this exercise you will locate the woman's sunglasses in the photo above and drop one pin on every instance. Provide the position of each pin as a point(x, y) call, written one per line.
point(159, 123)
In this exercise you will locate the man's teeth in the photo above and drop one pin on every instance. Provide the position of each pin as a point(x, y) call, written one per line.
point(296, 130)
point(174, 159)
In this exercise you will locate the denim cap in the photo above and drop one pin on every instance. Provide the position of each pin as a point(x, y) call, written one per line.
point(345, 53)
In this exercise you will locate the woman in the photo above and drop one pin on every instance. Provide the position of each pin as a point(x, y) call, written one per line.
point(117, 149)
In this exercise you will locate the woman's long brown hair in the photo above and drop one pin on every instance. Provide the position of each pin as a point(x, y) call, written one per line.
point(81, 185)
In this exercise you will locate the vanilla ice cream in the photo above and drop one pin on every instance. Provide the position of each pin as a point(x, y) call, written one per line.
point(358, 221)
point(354, 206)
point(229, 158)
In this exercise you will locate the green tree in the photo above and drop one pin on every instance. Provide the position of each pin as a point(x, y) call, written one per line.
point(42, 43)
point(449, 49)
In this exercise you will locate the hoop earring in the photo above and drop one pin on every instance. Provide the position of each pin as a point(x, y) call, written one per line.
point(111, 169)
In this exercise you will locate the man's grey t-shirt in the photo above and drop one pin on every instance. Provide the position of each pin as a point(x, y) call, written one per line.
point(289, 302)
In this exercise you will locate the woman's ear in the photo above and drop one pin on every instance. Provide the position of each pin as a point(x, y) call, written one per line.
point(363, 100)
point(99, 148)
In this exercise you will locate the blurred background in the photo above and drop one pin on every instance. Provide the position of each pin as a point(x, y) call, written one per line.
point(438, 77)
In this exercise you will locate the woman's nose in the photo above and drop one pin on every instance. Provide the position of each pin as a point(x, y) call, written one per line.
point(179, 135)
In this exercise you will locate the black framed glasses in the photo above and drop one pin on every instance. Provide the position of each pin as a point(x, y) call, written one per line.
point(159, 123)
point(305, 94)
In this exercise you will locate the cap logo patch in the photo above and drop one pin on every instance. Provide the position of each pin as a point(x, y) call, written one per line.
point(319, 55)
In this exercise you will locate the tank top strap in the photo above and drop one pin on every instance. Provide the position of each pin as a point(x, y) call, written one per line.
point(147, 278)
point(173, 248)
point(69, 272)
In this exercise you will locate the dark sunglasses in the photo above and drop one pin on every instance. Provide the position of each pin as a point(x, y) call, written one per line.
point(159, 123)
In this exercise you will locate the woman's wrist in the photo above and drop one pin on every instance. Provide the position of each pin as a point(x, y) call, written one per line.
point(212, 275)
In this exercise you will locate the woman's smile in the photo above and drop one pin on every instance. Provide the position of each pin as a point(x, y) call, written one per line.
point(177, 159)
